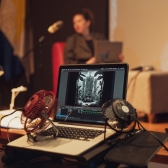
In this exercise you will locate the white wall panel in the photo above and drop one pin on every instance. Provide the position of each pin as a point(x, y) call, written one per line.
point(142, 25)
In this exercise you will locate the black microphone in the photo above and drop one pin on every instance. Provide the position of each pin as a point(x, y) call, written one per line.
point(52, 29)
point(56, 26)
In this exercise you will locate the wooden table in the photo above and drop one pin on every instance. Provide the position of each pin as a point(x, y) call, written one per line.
point(7, 135)
point(160, 157)
point(10, 132)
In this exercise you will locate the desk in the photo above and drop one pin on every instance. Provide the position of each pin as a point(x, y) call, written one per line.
point(160, 157)
point(13, 123)
point(11, 133)
point(137, 150)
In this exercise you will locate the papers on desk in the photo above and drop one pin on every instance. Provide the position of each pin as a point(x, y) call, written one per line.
point(11, 121)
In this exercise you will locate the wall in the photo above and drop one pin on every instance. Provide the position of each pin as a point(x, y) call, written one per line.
point(142, 26)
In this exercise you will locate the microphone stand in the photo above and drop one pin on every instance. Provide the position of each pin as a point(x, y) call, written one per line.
point(1, 85)
point(52, 29)
point(40, 60)
point(41, 41)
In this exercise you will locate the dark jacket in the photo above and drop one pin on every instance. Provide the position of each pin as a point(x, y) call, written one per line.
point(76, 49)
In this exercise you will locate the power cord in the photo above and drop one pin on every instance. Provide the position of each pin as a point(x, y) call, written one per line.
point(119, 137)
point(19, 109)
point(161, 143)
point(122, 136)
point(9, 128)
point(133, 79)
point(71, 110)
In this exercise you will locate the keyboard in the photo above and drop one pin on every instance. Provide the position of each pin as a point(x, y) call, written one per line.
point(73, 133)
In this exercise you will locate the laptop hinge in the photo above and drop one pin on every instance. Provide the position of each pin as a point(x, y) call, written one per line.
point(82, 124)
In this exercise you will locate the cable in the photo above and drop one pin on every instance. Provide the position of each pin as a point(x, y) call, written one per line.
point(133, 88)
point(9, 128)
point(70, 161)
point(115, 140)
point(133, 78)
point(105, 125)
point(128, 135)
point(161, 143)
point(71, 110)
point(68, 116)
point(19, 109)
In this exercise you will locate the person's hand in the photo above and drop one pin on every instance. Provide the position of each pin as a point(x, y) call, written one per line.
point(91, 60)
point(121, 57)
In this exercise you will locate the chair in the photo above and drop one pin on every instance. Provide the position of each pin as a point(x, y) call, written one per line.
point(57, 60)
point(147, 92)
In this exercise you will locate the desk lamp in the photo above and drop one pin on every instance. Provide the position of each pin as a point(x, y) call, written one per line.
point(15, 92)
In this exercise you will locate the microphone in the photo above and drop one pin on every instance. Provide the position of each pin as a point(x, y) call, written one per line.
point(52, 29)
point(56, 26)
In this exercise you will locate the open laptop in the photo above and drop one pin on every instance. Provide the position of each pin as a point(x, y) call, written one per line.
point(107, 52)
point(81, 91)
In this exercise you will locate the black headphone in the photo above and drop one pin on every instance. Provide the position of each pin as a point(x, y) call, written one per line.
point(119, 115)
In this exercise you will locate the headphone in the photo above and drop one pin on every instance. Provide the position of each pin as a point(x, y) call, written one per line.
point(119, 115)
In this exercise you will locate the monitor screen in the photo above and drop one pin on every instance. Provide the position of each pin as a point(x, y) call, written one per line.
point(83, 89)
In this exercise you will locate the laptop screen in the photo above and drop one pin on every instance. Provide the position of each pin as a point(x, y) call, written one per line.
point(107, 51)
point(82, 90)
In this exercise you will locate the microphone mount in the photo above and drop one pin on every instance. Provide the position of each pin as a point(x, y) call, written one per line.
point(51, 30)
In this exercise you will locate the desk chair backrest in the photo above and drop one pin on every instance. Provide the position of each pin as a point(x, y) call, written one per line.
point(57, 60)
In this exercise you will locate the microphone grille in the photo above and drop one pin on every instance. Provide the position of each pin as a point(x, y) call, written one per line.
point(56, 26)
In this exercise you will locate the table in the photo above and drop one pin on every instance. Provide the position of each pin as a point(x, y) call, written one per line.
point(12, 134)
point(161, 156)
point(137, 150)
point(85, 159)
point(10, 126)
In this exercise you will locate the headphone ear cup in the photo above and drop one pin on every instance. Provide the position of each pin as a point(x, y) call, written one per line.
point(104, 109)
point(123, 109)
point(118, 114)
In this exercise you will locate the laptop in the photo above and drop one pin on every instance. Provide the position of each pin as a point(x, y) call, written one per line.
point(107, 52)
point(81, 91)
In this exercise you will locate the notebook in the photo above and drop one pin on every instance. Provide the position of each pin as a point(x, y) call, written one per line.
point(107, 52)
point(81, 91)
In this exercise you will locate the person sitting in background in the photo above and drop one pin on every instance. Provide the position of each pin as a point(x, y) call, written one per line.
point(79, 48)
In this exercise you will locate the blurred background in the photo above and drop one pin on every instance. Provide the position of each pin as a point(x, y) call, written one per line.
point(32, 67)
point(25, 44)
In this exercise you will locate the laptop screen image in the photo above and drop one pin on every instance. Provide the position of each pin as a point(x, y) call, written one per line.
point(83, 89)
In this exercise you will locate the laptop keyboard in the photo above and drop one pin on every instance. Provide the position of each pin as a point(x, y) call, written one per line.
point(74, 133)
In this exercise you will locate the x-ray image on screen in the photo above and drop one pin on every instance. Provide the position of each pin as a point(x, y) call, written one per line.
point(89, 88)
